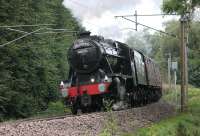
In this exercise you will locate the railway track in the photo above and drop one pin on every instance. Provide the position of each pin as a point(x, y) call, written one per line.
point(48, 118)
point(45, 118)
point(35, 119)
point(88, 124)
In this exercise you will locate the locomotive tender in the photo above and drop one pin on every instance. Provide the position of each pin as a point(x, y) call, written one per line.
point(103, 69)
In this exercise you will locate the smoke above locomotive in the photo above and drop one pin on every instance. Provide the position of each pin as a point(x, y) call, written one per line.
point(105, 69)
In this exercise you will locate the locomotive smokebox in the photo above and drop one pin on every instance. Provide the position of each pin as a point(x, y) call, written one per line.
point(84, 55)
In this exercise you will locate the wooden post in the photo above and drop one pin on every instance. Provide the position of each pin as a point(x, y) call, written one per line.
point(169, 61)
point(183, 65)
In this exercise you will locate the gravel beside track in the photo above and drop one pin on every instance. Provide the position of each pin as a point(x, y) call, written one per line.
point(89, 124)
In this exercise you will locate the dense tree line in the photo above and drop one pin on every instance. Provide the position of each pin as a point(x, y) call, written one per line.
point(32, 68)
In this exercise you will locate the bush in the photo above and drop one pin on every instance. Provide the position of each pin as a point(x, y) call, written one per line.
point(54, 109)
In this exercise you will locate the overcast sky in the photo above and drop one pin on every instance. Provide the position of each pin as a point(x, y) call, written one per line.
point(97, 16)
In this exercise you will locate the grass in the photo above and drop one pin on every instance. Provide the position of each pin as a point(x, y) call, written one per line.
point(184, 124)
point(111, 127)
point(54, 109)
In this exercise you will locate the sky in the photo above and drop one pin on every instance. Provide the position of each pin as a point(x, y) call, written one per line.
point(98, 16)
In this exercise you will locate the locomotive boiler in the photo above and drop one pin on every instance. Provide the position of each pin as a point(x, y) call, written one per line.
point(103, 69)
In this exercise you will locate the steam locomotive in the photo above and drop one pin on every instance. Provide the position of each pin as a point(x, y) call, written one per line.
point(106, 70)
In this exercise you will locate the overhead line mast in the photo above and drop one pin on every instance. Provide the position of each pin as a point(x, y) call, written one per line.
point(137, 23)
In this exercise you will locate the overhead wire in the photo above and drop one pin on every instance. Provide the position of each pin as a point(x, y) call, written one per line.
point(25, 35)
point(133, 15)
point(35, 32)
point(124, 16)
point(48, 32)
point(59, 30)
point(52, 32)
point(34, 25)
point(170, 34)
point(127, 28)
point(16, 30)
point(65, 30)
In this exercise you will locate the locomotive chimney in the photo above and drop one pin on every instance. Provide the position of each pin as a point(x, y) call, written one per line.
point(84, 34)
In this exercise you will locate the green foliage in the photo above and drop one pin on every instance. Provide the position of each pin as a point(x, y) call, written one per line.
point(108, 105)
point(159, 46)
point(162, 45)
point(32, 68)
point(111, 124)
point(181, 7)
point(178, 6)
point(54, 109)
point(171, 45)
point(194, 54)
point(186, 124)
point(111, 127)
point(56, 106)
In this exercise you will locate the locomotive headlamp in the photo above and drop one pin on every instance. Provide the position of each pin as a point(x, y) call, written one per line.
point(102, 88)
point(61, 85)
point(106, 78)
point(92, 80)
point(64, 88)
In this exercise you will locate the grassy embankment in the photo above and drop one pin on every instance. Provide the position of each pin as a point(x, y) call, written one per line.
point(184, 124)
point(54, 109)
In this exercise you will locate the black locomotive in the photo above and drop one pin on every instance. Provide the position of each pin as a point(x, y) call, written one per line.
point(103, 69)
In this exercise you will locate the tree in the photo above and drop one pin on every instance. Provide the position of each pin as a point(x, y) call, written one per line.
point(32, 68)
point(182, 7)
point(162, 45)
point(179, 6)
